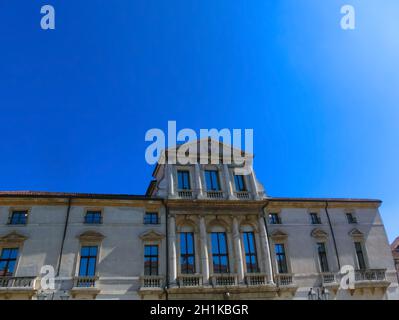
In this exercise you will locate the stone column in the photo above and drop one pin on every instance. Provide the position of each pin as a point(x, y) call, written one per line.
point(238, 250)
point(198, 181)
point(204, 251)
point(228, 182)
point(264, 241)
point(254, 184)
point(171, 181)
point(172, 251)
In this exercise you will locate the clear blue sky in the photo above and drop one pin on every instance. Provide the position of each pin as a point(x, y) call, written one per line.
point(76, 102)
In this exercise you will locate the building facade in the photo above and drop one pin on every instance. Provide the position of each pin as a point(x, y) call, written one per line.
point(200, 232)
point(395, 254)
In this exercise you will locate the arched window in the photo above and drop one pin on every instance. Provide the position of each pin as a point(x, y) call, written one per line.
point(251, 259)
point(220, 256)
point(187, 250)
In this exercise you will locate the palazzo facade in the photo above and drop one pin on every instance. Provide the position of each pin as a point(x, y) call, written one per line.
point(200, 232)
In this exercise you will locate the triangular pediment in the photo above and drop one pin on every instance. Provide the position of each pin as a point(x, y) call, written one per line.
point(13, 237)
point(356, 233)
point(278, 234)
point(319, 233)
point(151, 235)
point(91, 235)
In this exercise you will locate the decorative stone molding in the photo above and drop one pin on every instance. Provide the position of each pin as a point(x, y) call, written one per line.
point(356, 234)
point(218, 222)
point(151, 235)
point(180, 223)
point(278, 235)
point(319, 234)
point(12, 238)
point(91, 236)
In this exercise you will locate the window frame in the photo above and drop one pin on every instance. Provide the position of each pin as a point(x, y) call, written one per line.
point(315, 218)
point(184, 173)
point(16, 260)
point(91, 211)
point(274, 221)
point(244, 184)
point(184, 267)
point(363, 253)
point(350, 218)
point(18, 210)
point(151, 266)
point(151, 221)
point(219, 255)
point(216, 172)
point(283, 254)
point(81, 257)
point(323, 257)
point(251, 254)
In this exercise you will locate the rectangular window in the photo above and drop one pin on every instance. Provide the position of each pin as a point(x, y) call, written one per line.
point(93, 217)
point(151, 260)
point(187, 256)
point(8, 261)
point(220, 256)
point(19, 217)
point(360, 256)
point(212, 180)
point(151, 218)
point(250, 252)
point(321, 250)
point(88, 261)
point(281, 258)
point(314, 218)
point(239, 183)
point(274, 218)
point(183, 180)
point(351, 219)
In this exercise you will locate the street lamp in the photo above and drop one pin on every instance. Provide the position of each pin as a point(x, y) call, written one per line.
point(323, 294)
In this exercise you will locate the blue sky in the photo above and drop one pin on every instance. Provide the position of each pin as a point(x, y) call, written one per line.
point(76, 102)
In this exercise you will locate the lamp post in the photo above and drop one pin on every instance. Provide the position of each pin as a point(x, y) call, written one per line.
point(319, 294)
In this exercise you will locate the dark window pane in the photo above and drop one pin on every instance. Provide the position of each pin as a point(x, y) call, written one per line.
point(212, 180)
point(360, 255)
point(151, 260)
point(322, 257)
point(239, 183)
point(219, 253)
point(187, 257)
point(183, 180)
point(19, 217)
point(281, 258)
point(8, 260)
point(88, 259)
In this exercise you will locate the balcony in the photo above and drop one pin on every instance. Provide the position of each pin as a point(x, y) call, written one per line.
point(370, 275)
point(85, 282)
point(151, 282)
point(224, 280)
point(189, 280)
point(22, 287)
point(85, 287)
point(328, 278)
point(18, 282)
point(255, 279)
point(284, 279)
point(243, 195)
point(185, 194)
point(214, 195)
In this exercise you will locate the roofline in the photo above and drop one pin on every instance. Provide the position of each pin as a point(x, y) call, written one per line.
point(286, 199)
point(67, 195)
point(46, 194)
